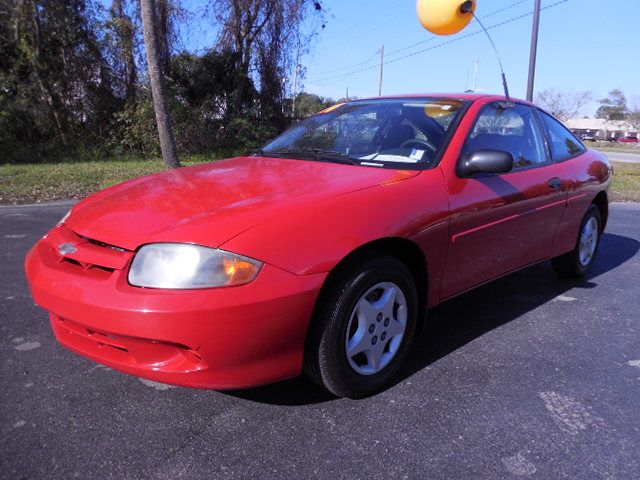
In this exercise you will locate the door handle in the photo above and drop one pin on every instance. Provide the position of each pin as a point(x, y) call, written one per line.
point(555, 183)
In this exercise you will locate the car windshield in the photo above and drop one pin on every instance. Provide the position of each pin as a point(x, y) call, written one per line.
point(393, 133)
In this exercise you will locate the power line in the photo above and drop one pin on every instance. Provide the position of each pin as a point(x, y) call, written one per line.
point(338, 78)
point(503, 9)
point(347, 67)
point(353, 72)
point(436, 37)
point(350, 39)
point(364, 15)
point(394, 52)
point(496, 25)
point(373, 28)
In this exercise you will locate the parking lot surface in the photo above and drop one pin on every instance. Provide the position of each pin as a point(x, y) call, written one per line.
point(530, 376)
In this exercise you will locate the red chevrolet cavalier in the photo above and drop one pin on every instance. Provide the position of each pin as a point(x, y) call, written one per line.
point(323, 250)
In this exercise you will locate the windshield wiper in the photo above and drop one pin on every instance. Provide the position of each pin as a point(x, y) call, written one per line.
point(318, 154)
point(334, 156)
point(288, 151)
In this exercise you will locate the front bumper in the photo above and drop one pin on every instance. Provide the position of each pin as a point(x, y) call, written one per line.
point(222, 338)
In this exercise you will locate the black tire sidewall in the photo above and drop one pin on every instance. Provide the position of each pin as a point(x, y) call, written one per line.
point(337, 374)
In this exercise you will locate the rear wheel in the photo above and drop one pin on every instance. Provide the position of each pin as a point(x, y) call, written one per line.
point(363, 327)
point(578, 261)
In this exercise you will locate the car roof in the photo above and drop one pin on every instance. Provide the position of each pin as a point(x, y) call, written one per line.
point(462, 96)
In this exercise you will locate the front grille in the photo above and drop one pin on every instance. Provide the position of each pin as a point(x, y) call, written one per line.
point(98, 269)
point(88, 256)
point(102, 244)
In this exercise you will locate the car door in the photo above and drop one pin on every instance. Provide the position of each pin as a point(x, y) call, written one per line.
point(502, 222)
point(581, 170)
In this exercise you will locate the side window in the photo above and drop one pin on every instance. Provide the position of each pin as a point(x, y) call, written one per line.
point(563, 143)
point(514, 130)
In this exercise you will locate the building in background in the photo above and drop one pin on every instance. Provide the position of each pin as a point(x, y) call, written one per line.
point(602, 129)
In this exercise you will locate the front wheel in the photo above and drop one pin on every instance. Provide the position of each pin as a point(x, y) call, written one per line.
point(363, 327)
point(578, 262)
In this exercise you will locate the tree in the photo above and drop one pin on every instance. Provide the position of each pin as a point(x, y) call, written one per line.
point(167, 10)
point(613, 107)
point(634, 113)
point(243, 21)
point(123, 28)
point(271, 70)
point(56, 85)
point(30, 36)
point(267, 35)
point(308, 104)
point(158, 90)
point(203, 81)
point(71, 77)
point(564, 105)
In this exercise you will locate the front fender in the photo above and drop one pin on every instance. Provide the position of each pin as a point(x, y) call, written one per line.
point(309, 239)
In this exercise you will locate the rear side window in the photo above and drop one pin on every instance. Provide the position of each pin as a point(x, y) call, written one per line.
point(514, 129)
point(563, 143)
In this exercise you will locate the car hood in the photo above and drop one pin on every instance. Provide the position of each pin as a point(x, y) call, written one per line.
point(210, 204)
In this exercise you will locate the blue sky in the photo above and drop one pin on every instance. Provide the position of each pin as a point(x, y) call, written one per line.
point(584, 45)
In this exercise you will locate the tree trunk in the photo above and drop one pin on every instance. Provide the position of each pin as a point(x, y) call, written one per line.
point(160, 104)
point(163, 32)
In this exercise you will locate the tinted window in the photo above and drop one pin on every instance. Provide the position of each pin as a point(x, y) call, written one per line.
point(514, 130)
point(563, 143)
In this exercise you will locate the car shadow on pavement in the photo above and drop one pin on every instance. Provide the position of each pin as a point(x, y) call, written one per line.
point(457, 322)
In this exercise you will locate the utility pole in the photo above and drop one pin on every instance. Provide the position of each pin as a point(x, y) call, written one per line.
point(381, 70)
point(475, 75)
point(534, 50)
point(347, 97)
point(295, 82)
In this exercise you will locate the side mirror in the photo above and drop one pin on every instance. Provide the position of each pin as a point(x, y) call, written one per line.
point(485, 161)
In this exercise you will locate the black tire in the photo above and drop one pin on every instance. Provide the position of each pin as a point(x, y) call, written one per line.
point(569, 264)
point(326, 361)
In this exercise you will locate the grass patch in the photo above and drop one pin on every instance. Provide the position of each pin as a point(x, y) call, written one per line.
point(626, 182)
point(45, 182)
point(38, 183)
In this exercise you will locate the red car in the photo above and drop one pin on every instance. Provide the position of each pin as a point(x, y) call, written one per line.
point(323, 251)
point(628, 140)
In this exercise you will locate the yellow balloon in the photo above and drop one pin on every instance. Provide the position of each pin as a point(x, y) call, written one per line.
point(442, 108)
point(443, 17)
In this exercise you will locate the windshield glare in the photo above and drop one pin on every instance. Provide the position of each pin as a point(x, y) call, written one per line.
point(409, 132)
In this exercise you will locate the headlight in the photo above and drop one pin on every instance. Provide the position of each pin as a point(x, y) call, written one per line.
point(64, 219)
point(185, 266)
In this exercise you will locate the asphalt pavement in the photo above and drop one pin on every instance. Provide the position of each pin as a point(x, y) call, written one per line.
point(622, 157)
point(529, 376)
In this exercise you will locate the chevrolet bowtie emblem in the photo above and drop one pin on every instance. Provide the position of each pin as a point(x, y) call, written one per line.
point(67, 248)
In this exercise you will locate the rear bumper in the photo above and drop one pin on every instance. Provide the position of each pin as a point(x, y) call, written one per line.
point(216, 338)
